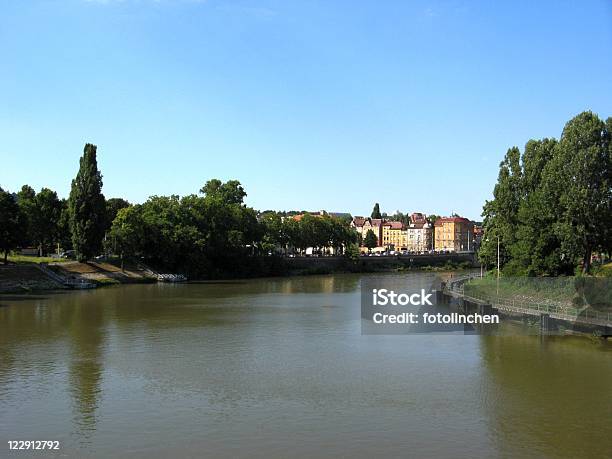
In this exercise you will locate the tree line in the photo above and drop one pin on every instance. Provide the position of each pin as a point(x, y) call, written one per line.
point(44, 221)
point(551, 206)
point(206, 234)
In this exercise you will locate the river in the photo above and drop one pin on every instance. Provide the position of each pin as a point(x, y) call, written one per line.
point(279, 368)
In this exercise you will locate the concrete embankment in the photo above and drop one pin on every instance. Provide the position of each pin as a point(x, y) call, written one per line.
point(101, 273)
point(16, 278)
point(25, 278)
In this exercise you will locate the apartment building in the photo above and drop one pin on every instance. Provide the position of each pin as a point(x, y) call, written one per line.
point(453, 234)
point(420, 236)
point(394, 236)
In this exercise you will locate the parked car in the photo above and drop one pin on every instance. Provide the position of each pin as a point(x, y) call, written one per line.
point(69, 254)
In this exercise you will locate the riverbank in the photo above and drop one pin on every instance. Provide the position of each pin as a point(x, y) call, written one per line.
point(25, 277)
point(330, 265)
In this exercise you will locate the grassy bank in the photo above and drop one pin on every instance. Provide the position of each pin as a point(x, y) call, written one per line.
point(32, 259)
point(571, 292)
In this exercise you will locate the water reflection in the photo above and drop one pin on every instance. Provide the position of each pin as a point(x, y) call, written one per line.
point(278, 367)
point(548, 396)
point(87, 337)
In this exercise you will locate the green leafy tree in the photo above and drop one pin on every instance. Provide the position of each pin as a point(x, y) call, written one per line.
point(87, 207)
point(370, 240)
point(12, 223)
point(64, 234)
point(551, 208)
point(376, 211)
point(536, 249)
point(501, 213)
point(295, 234)
point(230, 192)
point(401, 217)
point(274, 234)
point(580, 177)
point(432, 218)
point(113, 206)
point(41, 213)
point(26, 199)
point(352, 252)
point(126, 233)
point(45, 221)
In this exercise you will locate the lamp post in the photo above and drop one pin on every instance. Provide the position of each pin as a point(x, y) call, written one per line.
point(497, 257)
point(498, 269)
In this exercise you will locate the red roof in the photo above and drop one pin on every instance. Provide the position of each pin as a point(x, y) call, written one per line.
point(441, 220)
point(417, 217)
point(359, 221)
point(394, 225)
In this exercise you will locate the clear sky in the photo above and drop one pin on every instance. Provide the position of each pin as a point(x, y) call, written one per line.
point(310, 104)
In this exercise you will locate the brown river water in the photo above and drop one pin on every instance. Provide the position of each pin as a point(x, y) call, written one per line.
point(279, 368)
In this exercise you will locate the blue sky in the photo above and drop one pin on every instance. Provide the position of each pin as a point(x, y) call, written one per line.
point(310, 104)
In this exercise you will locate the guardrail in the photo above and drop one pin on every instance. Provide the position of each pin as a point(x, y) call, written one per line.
point(455, 287)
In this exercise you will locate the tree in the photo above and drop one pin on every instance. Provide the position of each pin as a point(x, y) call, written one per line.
point(295, 234)
point(551, 208)
point(376, 211)
point(126, 233)
point(26, 199)
point(231, 191)
point(580, 176)
point(401, 217)
point(501, 213)
point(274, 234)
point(41, 213)
point(64, 234)
point(352, 252)
point(370, 240)
point(432, 218)
point(87, 206)
point(12, 224)
point(113, 206)
point(45, 221)
point(536, 249)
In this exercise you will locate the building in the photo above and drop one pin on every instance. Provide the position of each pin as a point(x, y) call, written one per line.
point(374, 224)
point(394, 236)
point(420, 236)
point(453, 234)
point(418, 218)
point(357, 224)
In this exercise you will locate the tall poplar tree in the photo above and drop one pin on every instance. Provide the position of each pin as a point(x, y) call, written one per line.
point(87, 207)
point(376, 211)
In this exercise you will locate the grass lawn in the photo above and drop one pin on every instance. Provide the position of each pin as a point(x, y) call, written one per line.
point(31, 259)
point(603, 271)
point(560, 291)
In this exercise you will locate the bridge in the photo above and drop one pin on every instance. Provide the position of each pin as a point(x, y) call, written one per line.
point(455, 288)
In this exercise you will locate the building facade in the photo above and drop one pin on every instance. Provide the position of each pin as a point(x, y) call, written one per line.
point(376, 225)
point(420, 237)
point(453, 234)
point(357, 224)
point(394, 236)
